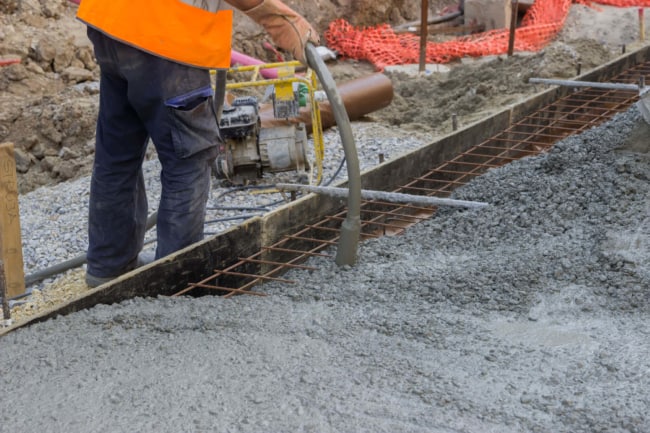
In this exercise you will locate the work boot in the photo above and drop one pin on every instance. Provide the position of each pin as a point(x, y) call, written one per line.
point(93, 281)
point(144, 258)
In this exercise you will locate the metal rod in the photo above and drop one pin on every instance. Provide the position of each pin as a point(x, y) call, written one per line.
point(314, 240)
point(6, 311)
point(423, 34)
point(513, 25)
point(254, 276)
point(302, 253)
point(393, 197)
point(279, 264)
point(227, 289)
point(571, 83)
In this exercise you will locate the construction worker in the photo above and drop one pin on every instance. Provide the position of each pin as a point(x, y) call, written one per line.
point(154, 58)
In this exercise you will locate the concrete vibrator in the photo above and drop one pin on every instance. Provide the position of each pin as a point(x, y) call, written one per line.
point(253, 143)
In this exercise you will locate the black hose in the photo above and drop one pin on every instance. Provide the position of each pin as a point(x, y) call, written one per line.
point(232, 218)
point(243, 188)
point(56, 269)
point(435, 20)
point(336, 173)
point(241, 208)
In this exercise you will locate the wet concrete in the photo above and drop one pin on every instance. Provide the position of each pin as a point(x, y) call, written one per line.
point(527, 316)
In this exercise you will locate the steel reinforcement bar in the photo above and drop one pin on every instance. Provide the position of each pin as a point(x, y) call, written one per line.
point(263, 248)
point(581, 109)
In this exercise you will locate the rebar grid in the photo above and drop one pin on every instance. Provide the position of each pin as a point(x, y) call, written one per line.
point(531, 135)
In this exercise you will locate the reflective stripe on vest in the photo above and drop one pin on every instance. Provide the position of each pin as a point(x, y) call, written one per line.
point(167, 28)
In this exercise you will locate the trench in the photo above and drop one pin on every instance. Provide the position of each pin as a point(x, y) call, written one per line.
point(263, 248)
point(530, 135)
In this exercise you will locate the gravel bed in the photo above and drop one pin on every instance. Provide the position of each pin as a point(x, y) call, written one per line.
point(54, 219)
point(529, 315)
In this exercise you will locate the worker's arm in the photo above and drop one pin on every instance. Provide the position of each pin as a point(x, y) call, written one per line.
point(288, 29)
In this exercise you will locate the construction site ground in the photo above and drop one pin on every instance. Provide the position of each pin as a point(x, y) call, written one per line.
point(49, 101)
point(528, 316)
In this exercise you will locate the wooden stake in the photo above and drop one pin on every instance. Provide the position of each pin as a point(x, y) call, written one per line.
point(11, 252)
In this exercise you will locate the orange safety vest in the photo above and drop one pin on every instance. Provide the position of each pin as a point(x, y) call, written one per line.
point(167, 28)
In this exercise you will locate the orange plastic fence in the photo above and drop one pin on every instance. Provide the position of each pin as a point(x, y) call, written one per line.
point(383, 47)
point(621, 3)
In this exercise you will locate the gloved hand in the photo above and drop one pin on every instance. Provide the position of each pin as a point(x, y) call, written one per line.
point(286, 27)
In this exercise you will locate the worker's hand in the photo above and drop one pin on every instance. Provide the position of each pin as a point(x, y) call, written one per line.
point(286, 27)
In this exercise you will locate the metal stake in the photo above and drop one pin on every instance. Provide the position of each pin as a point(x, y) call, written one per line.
point(424, 31)
point(6, 311)
point(513, 25)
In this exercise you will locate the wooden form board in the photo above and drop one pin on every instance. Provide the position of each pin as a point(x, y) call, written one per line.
point(11, 252)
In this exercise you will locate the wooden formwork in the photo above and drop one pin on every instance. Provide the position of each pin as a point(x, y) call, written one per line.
point(171, 274)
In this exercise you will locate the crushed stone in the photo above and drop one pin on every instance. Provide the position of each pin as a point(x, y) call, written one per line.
point(527, 316)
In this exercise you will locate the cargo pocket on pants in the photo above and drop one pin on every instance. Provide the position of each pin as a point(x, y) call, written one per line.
point(194, 125)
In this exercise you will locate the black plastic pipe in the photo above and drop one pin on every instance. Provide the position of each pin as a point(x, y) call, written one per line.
point(74, 262)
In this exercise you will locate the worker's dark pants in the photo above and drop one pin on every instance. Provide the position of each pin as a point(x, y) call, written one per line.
point(141, 97)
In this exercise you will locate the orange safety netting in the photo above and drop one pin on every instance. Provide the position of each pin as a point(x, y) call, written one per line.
point(619, 3)
point(383, 47)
